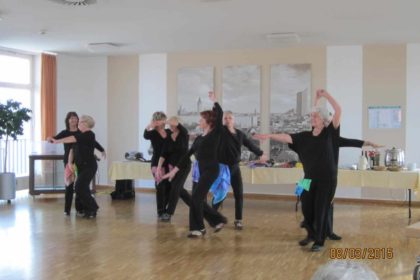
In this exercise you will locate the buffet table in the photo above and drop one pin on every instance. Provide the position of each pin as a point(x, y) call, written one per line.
point(407, 180)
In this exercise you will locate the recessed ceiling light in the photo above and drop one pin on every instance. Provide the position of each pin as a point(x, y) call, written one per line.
point(283, 37)
point(103, 47)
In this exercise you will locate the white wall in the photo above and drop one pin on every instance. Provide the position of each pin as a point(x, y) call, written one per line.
point(123, 106)
point(152, 97)
point(82, 87)
point(345, 83)
point(413, 104)
point(152, 92)
point(80, 79)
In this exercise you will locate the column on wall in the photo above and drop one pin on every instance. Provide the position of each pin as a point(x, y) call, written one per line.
point(152, 92)
point(345, 82)
point(413, 103)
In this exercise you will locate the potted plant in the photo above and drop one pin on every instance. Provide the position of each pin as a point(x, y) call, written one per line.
point(12, 117)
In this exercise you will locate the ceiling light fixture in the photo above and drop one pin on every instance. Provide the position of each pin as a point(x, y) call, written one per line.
point(102, 47)
point(75, 2)
point(286, 37)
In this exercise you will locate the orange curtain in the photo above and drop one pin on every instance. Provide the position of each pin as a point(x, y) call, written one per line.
point(48, 95)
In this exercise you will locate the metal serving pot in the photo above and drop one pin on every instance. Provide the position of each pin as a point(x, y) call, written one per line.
point(394, 158)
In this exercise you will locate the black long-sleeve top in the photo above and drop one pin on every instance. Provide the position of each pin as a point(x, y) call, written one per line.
point(342, 142)
point(230, 146)
point(206, 148)
point(157, 143)
point(318, 154)
point(173, 150)
point(347, 142)
point(67, 146)
point(84, 149)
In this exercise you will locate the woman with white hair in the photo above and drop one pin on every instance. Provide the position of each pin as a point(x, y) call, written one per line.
point(85, 160)
point(342, 143)
point(317, 152)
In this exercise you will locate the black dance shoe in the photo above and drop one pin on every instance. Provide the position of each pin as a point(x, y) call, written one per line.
point(80, 213)
point(90, 215)
point(305, 241)
point(165, 217)
point(334, 236)
point(316, 247)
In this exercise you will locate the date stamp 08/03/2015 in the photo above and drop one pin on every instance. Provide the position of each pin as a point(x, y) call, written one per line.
point(362, 253)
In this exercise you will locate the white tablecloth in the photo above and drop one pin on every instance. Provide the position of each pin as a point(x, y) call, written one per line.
point(261, 175)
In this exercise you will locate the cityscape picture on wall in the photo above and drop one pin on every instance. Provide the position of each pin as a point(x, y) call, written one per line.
point(241, 96)
point(290, 105)
point(193, 86)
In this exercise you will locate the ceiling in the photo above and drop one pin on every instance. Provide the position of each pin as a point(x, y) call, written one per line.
point(152, 26)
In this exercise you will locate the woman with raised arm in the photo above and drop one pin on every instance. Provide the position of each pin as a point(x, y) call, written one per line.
point(205, 147)
point(317, 152)
point(343, 143)
point(230, 154)
point(157, 134)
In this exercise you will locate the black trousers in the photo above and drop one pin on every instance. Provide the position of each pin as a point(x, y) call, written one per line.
point(315, 206)
point(177, 185)
point(330, 220)
point(208, 174)
point(82, 186)
point(68, 199)
point(238, 190)
point(163, 189)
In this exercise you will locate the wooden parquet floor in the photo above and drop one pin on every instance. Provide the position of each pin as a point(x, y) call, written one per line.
point(126, 241)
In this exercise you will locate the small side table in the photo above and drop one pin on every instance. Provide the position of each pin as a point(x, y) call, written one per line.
point(52, 177)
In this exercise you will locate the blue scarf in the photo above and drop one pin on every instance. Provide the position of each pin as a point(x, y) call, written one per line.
point(220, 186)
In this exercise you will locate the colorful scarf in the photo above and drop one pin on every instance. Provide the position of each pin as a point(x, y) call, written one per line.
point(220, 186)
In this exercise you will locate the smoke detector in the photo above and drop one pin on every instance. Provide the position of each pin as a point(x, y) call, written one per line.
point(75, 2)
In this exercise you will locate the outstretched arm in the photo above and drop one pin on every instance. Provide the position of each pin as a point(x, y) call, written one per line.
point(373, 145)
point(347, 142)
point(280, 137)
point(69, 139)
point(356, 143)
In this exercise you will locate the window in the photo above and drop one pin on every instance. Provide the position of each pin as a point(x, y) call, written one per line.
point(16, 83)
